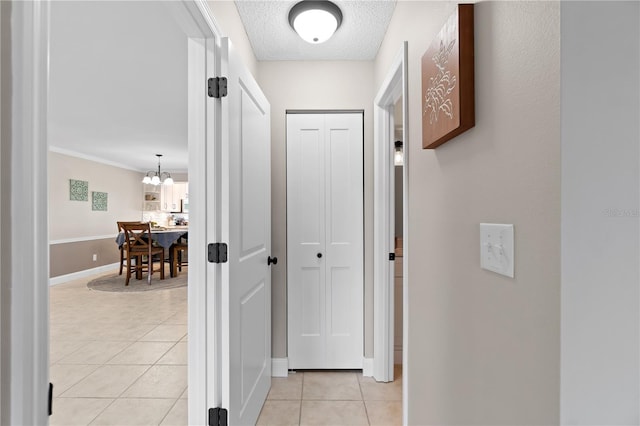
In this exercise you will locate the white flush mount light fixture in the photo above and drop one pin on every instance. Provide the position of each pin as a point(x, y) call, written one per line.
point(155, 178)
point(315, 21)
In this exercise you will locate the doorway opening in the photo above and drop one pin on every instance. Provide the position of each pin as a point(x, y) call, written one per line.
point(116, 353)
point(398, 227)
point(325, 239)
point(116, 99)
point(391, 254)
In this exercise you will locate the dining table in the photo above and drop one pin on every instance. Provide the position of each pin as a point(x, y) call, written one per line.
point(164, 237)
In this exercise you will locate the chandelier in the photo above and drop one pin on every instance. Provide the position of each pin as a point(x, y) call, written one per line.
point(156, 177)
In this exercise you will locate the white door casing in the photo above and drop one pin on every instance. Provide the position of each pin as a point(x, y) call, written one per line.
point(325, 240)
point(246, 224)
point(394, 86)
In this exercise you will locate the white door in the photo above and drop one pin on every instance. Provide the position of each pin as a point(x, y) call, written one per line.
point(246, 220)
point(325, 240)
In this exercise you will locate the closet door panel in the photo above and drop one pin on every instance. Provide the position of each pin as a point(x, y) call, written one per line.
point(324, 240)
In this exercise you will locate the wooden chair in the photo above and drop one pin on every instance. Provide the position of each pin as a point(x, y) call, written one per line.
point(178, 257)
point(137, 237)
point(123, 247)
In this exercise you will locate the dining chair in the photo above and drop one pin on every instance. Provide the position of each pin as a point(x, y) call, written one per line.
point(137, 237)
point(123, 247)
point(178, 256)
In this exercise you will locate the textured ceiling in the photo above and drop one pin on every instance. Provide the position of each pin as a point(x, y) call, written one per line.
point(358, 38)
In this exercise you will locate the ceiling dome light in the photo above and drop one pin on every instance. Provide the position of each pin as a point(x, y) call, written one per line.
point(315, 21)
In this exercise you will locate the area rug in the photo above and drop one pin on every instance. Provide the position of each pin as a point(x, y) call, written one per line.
point(115, 282)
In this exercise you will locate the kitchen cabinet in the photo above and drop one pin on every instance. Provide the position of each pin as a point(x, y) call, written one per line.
point(172, 196)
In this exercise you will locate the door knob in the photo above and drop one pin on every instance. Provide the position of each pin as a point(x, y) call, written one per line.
point(271, 260)
point(319, 255)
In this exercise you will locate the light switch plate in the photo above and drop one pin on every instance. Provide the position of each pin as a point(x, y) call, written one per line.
point(496, 248)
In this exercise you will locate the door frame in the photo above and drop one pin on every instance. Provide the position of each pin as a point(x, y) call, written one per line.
point(393, 87)
point(24, 353)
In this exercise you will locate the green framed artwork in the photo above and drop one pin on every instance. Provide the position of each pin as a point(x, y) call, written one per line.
point(99, 201)
point(78, 190)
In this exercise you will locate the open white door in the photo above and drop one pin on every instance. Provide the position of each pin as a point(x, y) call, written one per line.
point(245, 357)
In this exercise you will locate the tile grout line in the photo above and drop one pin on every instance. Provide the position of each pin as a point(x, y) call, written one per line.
point(366, 411)
point(102, 411)
point(172, 406)
point(301, 399)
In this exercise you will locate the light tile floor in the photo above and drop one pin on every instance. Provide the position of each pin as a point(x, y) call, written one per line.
point(333, 398)
point(121, 359)
point(118, 358)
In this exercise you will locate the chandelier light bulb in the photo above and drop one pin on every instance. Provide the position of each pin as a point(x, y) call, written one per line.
point(155, 178)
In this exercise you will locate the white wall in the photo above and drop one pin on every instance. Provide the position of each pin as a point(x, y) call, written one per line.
point(314, 85)
point(600, 213)
point(483, 348)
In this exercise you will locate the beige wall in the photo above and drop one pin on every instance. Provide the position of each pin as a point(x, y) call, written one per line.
point(314, 85)
point(600, 366)
point(228, 20)
point(2, 138)
point(66, 258)
point(483, 348)
point(75, 219)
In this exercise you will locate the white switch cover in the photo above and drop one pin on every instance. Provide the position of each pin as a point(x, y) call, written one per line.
point(496, 248)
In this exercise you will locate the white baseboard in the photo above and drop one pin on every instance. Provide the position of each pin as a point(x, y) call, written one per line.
point(397, 355)
point(83, 274)
point(367, 367)
point(279, 367)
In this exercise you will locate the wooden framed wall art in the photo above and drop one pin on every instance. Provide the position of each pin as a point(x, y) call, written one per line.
point(448, 98)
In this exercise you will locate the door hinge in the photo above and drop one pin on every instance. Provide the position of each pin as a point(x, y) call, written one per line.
point(50, 400)
point(392, 256)
point(217, 87)
point(218, 417)
point(217, 252)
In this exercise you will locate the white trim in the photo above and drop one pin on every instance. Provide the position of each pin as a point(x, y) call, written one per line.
point(196, 292)
point(393, 87)
point(61, 279)
point(28, 345)
point(202, 377)
point(81, 239)
point(367, 367)
point(279, 367)
point(405, 239)
point(76, 154)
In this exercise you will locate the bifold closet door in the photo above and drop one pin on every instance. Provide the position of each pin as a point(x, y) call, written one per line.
point(325, 283)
